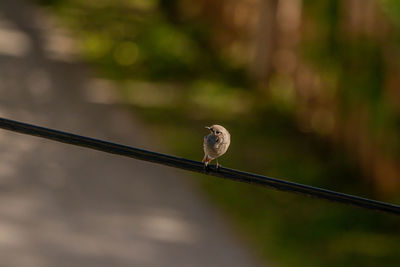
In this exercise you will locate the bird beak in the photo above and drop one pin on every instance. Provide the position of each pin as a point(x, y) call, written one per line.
point(209, 128)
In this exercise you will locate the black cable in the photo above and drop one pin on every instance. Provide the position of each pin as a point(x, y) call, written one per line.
point(195, 166)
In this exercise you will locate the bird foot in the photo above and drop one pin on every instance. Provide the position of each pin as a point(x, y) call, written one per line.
point(218, 166)
point(206, 168)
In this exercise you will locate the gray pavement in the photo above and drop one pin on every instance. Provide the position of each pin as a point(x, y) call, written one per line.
point(62, 205)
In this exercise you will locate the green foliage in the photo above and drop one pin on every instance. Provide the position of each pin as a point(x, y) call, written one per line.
point(392, 7)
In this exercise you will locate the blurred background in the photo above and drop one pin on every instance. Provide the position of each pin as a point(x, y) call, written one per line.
point(310, 91)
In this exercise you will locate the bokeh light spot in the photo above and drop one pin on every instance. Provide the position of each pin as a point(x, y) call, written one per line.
point(126, 53)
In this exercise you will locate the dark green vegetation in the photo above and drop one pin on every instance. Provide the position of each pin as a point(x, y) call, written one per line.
point(170, 73)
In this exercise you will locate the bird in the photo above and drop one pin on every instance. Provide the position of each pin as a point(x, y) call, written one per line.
point(215, 144)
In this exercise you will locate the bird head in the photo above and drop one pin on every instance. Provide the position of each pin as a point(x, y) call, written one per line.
point(217, 130)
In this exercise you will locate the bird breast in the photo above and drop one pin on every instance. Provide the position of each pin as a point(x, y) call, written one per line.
point(215, 146)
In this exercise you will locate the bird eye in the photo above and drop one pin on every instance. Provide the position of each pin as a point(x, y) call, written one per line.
point(218, 132)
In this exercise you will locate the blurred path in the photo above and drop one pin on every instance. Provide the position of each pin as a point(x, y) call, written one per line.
point(67, 206)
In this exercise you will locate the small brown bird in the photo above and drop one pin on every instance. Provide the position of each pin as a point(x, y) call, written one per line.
point(215, 144)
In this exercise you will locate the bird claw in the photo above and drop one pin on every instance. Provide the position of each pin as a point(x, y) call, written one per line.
point(206, 168)
point(218, 166)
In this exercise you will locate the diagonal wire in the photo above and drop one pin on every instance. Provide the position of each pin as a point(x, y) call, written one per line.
point(196, 166)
